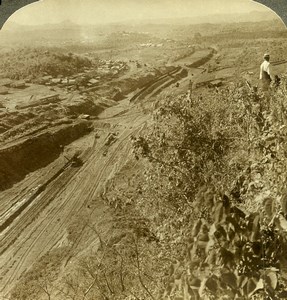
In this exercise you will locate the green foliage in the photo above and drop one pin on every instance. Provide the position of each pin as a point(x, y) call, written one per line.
point(216, 183)
point(233, 257)
point(186, 143)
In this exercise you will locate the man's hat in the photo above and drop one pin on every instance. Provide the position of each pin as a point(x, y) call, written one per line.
point(266, 55)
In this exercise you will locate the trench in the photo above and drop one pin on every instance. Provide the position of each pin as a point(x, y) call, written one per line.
point(30, 154)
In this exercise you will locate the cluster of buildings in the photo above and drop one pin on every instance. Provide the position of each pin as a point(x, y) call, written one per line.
point(87, 81)
point(89, 78)
point(111, 67)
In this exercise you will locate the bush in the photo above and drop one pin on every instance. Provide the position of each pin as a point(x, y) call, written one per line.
point(214, 189)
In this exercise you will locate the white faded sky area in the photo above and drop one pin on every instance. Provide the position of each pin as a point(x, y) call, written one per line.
point(108, 11)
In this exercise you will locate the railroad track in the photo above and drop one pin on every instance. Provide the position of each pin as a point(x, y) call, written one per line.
point(90, 178)
point(149, 88)
point(37, 227)
point(165, 80)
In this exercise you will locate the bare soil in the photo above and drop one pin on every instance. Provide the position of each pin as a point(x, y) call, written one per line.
point(45, 199)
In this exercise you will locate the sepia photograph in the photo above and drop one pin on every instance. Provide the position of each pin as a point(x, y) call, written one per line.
point(143, 150)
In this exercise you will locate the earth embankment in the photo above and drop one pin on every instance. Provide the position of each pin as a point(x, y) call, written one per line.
point(27, 155)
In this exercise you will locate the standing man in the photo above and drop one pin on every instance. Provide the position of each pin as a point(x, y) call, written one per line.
point(265, 76)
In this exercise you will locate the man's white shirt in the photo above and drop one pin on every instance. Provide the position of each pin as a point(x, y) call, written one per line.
point(265, 66)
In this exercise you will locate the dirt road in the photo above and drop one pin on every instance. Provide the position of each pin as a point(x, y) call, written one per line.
point(43, 223)
point(59, 192)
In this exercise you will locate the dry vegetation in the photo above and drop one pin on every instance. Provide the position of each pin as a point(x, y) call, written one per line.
point(205, 211)
point(216, 176)
point(199, 209)
point(32, 63)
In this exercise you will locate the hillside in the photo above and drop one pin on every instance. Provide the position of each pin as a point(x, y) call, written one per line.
point(155, 169)
point(32, 63)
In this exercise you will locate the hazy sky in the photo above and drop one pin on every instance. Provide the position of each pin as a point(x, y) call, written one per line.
point(106, 11)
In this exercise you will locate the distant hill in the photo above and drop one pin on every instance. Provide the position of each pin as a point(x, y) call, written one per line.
point(13, 32)
point(65, 25)
point(70, 32)
point(254, 16)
